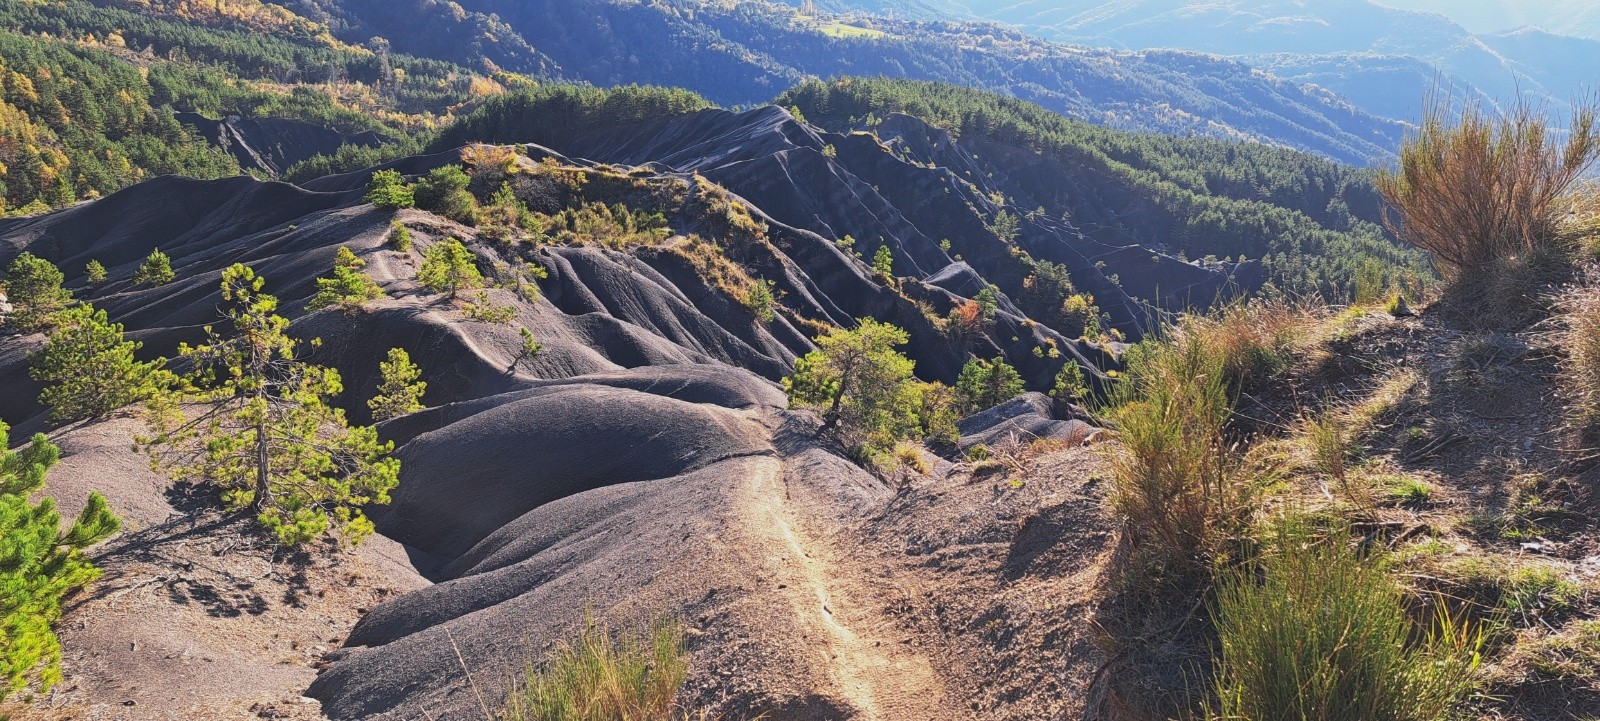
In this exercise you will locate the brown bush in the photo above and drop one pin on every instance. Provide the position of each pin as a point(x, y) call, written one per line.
point(1477, 189)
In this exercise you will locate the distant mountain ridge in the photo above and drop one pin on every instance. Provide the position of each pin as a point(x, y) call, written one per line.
point(1382, 56)
point(746, 53)
point(1577, 18)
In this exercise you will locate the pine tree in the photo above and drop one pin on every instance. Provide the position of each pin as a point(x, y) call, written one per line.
point(266, 435)
point(400, 391)
point(1070, 385)
point(400, 237)
point(156, 270)
point(761, 300)
point(89, 367)
point(443, 191)
point(530, 346)
point(39, 564)
point(883, 262)
point(448, 267)
point(94, 272)
point(386, 189)
point(33, 285)
point(986, 384)
point(863, 386)
point(988, 302)
point(1006, 226)
point(346, 286)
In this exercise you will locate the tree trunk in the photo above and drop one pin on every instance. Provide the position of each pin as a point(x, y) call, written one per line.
point(831, 418)
point(262, 460)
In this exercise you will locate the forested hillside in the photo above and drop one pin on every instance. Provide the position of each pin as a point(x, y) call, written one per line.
point(355, 66)
point(1316, 225)
point(1367, 50)
point(91, 95)
point(75, 122)
point(744, 53)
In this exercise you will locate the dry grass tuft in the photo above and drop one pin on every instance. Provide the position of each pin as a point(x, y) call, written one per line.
point(1182, 486)
point(1577, 336)
point(1314, 630)
point(600, 676)
point(1475, 190)
point(1258, 339)
point(1176, 481)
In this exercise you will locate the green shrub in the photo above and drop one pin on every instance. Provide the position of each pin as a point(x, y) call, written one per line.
point(939, 414)
point(345, 286)
point(484, 310)
point(89, 369)
point(600, 676)
point(400, 390)
point(443, 191)
point(39, 563)
point(1313, 631)
point(448, 267)
point(155, 270)
point(883, 263)
point(1070, 385)
point(530, 345)
point(388, 190)
point(400, 237)
point(759, 300)
point(94, 272)
point(33, 286)
point(1176, 481)
point(862, 385)
point(986, 384)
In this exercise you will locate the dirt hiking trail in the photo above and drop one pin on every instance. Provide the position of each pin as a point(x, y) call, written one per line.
point(858, 649)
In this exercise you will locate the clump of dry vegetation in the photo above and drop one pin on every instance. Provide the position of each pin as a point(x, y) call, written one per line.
point(1181, 483)
point(1576, 334)
point(1487, 196)
point(1227, 524)
point(1176, 481)
point(603, 676)
point(1314, 630)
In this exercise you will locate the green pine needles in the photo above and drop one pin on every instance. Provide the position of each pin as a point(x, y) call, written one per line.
point(345, 286)
point(1070, 385)
point(448, 267)
point(986, 384)
point(863, 386)
point(89, 368)
point(388, 190)
point(400, 391)
point(155, 270)
point(33, 285)
point(39, 564)
point(266, 436)
point(400, 237)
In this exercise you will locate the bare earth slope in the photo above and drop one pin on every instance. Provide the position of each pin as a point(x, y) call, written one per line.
point(642, 464)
